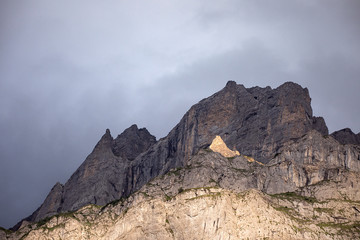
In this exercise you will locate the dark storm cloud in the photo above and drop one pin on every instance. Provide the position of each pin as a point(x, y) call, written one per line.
point(71, 69)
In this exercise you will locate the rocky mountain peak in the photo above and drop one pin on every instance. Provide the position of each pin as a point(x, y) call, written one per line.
point(219, 146)
point(346, 136)
point(256, 121)
point(107, 135)
point(291, 87)
point(320, 125)
point(133, 141)
point(104, 142)
point(230, 85)
point(107, 131)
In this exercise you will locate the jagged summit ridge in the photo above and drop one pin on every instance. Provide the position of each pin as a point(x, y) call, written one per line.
point(102, 175)
point(256, 121)
point(346, 136)
point(132, 142)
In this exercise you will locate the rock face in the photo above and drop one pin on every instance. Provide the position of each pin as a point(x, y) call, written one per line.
point(312, 166)
point(255, 121)
point(312, 160)
point(283, 148)
point(346, 136)
point(132, 142)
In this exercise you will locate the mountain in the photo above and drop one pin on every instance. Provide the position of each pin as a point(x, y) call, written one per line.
point(280, 154)
point(346, 136)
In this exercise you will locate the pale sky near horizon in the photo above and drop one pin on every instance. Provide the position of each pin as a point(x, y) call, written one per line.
point(71, 69)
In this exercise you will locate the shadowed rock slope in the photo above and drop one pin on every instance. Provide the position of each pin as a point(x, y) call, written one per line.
point(258, 122)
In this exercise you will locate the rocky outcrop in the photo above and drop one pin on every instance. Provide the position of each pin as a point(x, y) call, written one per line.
point(346, 136)
point(320, 125)
point(312, 160)
point(219, 146)
point(51, 204)
point(133, 141)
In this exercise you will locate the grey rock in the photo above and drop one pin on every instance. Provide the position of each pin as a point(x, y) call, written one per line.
point(104, 175)
point(255, 121)
point(320, 125)
point(308, 161)
point(52, 203)
point(97, 179)
point(132, 142)
point(346, 136)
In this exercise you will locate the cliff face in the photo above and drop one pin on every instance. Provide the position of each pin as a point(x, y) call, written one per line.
point(314, 166)
point(256, 121)
point(267, 126)
point(311, 160)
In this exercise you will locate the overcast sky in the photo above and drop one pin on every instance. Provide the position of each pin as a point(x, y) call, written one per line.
point(71, 69)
